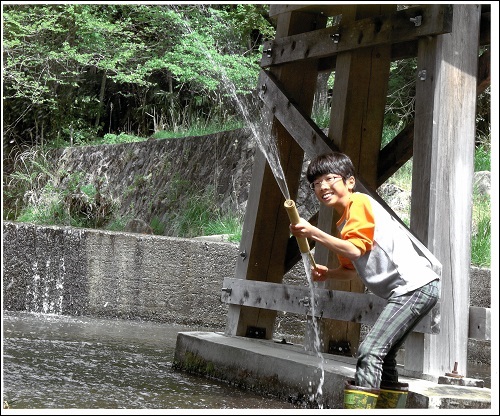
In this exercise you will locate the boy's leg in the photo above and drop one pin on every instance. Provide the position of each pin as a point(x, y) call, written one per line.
point(396, 321)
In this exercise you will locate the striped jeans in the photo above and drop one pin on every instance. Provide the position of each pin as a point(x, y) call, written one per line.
point(376, 357)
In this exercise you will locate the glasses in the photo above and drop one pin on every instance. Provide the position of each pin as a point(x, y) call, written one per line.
point(330, 180)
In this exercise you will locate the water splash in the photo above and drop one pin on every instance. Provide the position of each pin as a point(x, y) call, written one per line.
point(315, 397)
point(45, 295)
point(261, 130)
point(266, 141)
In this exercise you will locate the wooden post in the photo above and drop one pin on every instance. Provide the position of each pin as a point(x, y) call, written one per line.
point(443, 166)
point(266, 227)
point(356, 122)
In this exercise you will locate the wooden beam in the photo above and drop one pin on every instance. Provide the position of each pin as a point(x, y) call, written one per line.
point(443, 166)
point(395, 154)
point(265, 229)
point(362, 308)
point(409, 49)
point(402, 26)
point(356, 124)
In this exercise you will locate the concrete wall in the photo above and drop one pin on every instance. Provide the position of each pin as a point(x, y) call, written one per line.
point(73, 271)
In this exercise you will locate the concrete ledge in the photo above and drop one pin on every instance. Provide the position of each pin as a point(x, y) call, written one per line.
point(289, 372)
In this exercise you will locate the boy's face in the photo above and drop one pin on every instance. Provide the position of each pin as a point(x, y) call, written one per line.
point(331, 190)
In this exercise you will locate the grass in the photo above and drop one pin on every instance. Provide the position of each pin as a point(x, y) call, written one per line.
point(196, 128)
point(481, 231)
point(202, 215)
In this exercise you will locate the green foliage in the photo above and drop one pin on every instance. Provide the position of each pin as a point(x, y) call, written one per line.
point(321, 114)
point(481, 234)
point(30, 172)
point(388, 133)
point(117, 223)
point(158, 226)
point(199, 128)
point(110, 138)
point(36, 192)
point(400, 103)
point(73, 71)
point(482, 158)
point(225, 224)
point(197, 210)
point(201, 214)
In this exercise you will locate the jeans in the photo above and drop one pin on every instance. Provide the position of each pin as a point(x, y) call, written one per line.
point(376, 358)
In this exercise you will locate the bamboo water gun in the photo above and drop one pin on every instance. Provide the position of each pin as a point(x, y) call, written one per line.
point(293, 214)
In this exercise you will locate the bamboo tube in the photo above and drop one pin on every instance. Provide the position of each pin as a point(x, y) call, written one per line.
point(293, 214)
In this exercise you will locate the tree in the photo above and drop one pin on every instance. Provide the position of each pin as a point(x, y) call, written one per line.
point(73, 72)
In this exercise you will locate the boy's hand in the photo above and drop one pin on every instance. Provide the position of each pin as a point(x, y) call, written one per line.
point(318, 273)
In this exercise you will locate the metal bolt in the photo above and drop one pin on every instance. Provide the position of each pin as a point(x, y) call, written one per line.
point(335, 37)
point(243, 254)
point(417, 20)
point(268, 52)
point(227, 289)
point(305, 301)
point(422, 75)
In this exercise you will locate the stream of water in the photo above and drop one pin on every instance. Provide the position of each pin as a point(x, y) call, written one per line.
point(266, 141)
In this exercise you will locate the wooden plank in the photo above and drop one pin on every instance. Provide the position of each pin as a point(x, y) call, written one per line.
point(350, 306)
point(361, 81)
point(355, 307)
point(480, 323)
point(369, 32)
point(395, 154)
point(265, 229)
point(356, 122)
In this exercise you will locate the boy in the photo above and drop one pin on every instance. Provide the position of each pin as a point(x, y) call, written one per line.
point(373, 246)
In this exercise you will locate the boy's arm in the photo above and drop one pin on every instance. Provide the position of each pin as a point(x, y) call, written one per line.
point(320, 273)
point(342, 247)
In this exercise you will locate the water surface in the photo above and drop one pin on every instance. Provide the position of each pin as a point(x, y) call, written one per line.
point(62, 362)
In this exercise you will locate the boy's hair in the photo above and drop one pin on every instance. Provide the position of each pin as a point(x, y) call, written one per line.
point(330, 163)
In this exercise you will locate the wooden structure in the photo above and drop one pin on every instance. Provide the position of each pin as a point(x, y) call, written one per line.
point(360, 47)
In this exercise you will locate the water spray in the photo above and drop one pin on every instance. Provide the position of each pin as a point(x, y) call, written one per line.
point(293, 214)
